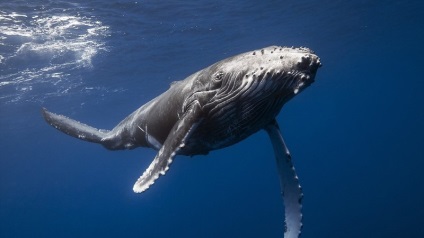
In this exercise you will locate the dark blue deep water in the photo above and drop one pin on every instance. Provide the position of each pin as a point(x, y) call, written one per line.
point(356, 134)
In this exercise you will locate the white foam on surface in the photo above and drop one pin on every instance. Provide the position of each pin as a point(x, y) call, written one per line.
point(39, 49)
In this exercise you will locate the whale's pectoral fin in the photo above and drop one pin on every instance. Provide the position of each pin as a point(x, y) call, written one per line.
point(174, 142)
point(74, 128)
point(291, 190)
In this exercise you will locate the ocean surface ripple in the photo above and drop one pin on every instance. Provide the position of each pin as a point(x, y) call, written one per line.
point(46, 48)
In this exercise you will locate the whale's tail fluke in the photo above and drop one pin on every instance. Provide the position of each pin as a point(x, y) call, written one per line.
point(75, 128)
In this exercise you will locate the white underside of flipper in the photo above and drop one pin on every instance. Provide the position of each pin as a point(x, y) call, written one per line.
point(159, 166)
point(291, 190)
point(174, 142)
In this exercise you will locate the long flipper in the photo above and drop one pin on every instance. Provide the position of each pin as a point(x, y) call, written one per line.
point(291, 190)
point(173, 143)
point(74, 128)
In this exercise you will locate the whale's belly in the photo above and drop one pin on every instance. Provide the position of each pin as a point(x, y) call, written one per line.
point(230, 125)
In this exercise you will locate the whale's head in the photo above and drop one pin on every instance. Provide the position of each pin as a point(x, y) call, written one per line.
point(243, 94)
point(287, 69)
point(268, 77)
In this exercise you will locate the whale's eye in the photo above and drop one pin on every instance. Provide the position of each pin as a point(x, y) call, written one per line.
point(219, 76)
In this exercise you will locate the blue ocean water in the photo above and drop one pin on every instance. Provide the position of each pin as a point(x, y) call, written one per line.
point(356, 134)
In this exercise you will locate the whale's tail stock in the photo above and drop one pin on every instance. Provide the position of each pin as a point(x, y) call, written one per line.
point(76, 129)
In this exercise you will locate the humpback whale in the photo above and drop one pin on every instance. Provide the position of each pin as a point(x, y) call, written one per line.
point(213, 108)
